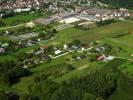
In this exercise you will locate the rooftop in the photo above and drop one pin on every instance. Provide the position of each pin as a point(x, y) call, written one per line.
point(97, 11)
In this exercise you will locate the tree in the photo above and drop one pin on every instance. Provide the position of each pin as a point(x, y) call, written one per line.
point(54, 30)
point(2, 96)
point(28, 97)
point(89, 96)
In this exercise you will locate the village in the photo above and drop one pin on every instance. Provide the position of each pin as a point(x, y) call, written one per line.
point(46, 53)
point(66, 50)
point(78, 17)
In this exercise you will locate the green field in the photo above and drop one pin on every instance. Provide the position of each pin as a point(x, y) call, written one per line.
point(82, 66)
point(111, 30)
point(18, 19)
point(105, 34)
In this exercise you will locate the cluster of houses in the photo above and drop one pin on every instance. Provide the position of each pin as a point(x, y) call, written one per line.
point(105, 14)
point(20, 4)
point(90, 14)
point(104, 58)
point(101, 56)
point(47, 53)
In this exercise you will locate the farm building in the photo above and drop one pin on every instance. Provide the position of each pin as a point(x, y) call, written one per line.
point(101, 14)
point(46, 21)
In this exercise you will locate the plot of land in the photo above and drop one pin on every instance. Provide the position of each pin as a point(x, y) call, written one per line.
point(111, 30)
point(70, 20)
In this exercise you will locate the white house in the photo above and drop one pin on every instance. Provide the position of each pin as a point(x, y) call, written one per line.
point(57, 52)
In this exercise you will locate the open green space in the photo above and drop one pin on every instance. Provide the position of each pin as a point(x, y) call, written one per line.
point(124, 42)
point(19, 19)
point(111, 30)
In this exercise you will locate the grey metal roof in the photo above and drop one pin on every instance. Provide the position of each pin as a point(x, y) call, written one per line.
point(97, 11)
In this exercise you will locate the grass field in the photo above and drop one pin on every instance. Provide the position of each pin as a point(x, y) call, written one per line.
point(20, 18)
point(125, 42)
point(111, 30)
point(124, 87)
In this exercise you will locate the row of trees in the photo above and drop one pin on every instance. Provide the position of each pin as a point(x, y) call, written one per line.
point(10, 72)
point(105, 22)
point(95, 85)
point(118, 3)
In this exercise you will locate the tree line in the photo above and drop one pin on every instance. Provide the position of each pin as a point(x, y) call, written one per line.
point(119, 3)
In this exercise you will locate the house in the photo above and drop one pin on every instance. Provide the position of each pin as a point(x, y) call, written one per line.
point(98, 14)
point(57, 52)
point(99, 49)
point(66, 14)
point(82, 48)
point(108, 58)
point(39, 52)
point(19, 10)
point(46, 21)
point(65, 46)
point(74, 47)
point(2, 50)
point(100, 57)
point(104, 58)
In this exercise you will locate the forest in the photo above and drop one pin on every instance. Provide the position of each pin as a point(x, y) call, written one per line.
point(97, 85)
point(119, 3)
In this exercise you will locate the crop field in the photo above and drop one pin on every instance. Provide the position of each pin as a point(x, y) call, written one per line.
point(111, 30)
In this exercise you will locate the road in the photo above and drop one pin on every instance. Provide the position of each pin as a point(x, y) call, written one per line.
point(90, 53)
point(70, 52)
point(12, 26)
point(124, 58)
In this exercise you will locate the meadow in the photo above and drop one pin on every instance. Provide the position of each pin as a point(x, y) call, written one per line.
point(98, 33)
point(19, 19)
